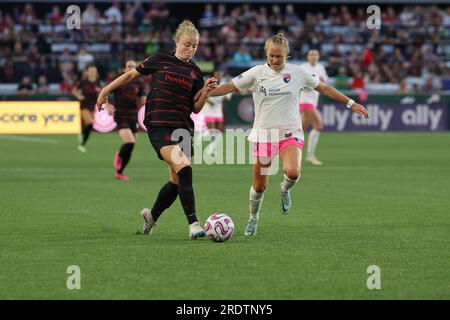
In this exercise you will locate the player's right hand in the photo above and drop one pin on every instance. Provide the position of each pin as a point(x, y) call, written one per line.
point(359, 109)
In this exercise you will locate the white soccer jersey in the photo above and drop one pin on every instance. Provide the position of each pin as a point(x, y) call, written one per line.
point(276, 96)
point(312, 96)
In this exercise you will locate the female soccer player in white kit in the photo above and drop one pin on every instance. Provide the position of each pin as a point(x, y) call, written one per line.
point(309, 99)
point(277, 127)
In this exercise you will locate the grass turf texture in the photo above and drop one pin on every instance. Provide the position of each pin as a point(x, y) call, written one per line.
point(380, 199)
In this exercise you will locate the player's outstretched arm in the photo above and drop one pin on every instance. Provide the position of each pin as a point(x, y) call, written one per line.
point(114, 85)
point(223, 89)
point(202, 95)
point(334, 94)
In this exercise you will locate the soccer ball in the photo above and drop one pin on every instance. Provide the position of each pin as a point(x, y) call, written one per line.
point(219, 227)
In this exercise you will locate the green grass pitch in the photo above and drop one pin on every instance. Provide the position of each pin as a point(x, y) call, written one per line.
point(380, 199)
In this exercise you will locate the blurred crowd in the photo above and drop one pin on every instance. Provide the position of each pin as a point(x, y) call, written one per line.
point(410, 51)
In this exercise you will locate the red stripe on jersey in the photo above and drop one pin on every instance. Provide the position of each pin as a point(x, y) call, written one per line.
point(173, 64)
point(171, 84)
point(167, 121)
point(177, 104)
point(166, 83)
point(178, 74)
point(192, 64)
point(172, 93)
point(168, 110)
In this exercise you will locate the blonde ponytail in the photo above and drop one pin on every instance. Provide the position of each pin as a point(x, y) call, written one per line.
point(186, 27)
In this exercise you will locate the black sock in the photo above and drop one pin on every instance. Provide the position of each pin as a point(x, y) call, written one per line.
point(125, 155)
point(166, 197)
point(86, 132)
point(186, 192)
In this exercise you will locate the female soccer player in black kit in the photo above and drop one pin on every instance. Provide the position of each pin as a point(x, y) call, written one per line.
point(127, 100)
point(86, 91)
point(178, 89)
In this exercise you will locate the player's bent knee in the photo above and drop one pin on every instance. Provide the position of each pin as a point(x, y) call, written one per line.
point(293, 174)
point(259, 187)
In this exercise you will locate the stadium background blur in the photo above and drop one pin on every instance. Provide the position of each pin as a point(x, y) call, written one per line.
point(410, 54)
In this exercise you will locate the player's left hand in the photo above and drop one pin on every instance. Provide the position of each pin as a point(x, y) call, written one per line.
point(359, 109)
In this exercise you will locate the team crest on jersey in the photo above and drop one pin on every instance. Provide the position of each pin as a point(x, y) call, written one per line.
point(193, 75)
point(263, 90)
point(286, 77)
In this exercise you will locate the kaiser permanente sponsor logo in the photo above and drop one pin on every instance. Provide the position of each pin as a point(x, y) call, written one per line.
point(278, 92)
point(386, 117)
point(273, 92)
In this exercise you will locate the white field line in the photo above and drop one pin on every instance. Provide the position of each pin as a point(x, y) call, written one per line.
point(27, 139)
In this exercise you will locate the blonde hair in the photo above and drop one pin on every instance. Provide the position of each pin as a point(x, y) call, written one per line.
point(277, 40)
point(186, 27)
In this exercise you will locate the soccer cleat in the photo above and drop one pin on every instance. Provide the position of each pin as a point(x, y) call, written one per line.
point(82, 148)
point(285, 201)
point(314, 161)
point(117, 161)
point(195, 231)
point(121, 176)
point(149, 223)
point(251, 228)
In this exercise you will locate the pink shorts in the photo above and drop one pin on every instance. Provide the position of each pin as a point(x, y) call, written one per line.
point(213, 119)
point(306, 106)
point(271, 149)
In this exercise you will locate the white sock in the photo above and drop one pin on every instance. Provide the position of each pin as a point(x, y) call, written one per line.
point(313, 139)
point(256, 199)
point(287, 183)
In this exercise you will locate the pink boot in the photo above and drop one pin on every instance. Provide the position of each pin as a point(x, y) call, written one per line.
point(117, 161)
point(121, 176)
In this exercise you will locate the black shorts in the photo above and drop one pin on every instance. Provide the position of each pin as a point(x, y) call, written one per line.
point(126, 123)
point(165, 136)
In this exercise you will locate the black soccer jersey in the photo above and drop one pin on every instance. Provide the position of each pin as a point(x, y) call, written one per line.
point(170, 102)
point(126, 98)
point(90, 92)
